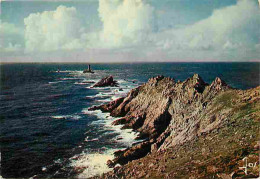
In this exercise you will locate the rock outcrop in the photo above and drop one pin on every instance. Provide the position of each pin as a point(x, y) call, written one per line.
point(169, 114)
point(107, 81)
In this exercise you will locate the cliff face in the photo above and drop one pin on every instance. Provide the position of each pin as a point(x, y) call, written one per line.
point(169, 114)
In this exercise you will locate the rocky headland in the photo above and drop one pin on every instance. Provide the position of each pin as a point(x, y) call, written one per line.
point(189, 129)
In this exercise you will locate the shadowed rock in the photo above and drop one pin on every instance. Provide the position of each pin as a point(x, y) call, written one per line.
point(107, 81)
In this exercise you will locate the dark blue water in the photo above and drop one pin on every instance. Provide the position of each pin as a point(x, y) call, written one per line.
point(43, 115)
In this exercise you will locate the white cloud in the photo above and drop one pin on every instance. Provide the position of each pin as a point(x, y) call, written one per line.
point(125, 22)
point(53, 30)
point(11, 37)
point(230, 28)
point(12, 47)
point(231, 31)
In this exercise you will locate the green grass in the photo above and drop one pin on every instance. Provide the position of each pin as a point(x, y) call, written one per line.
point(225, 99)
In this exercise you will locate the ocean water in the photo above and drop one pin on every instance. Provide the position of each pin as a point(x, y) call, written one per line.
point(46, 129)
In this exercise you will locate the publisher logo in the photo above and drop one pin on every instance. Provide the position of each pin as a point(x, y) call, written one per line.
point(248, 166)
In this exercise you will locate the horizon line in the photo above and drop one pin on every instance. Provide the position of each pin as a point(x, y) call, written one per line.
point(123, 62)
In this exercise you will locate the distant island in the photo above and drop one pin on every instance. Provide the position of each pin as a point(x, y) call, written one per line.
point(189, 129)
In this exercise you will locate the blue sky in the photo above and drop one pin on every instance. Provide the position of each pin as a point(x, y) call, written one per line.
point(130, 30)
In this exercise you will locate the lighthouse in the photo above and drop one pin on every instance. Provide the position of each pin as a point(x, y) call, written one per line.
point(88, 70)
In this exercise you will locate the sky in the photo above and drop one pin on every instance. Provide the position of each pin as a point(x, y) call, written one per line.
point(129, 30)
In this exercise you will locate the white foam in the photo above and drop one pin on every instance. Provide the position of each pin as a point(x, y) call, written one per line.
point(78, 83)
point(127, 136)
point(58, 161)
point(54, 82)
point(70, 78)
point(103, 94)
point(105, 100)
point(44, 169)
point(75, 117)
point(112, 95)
point(92, 164)
point(95, 164)
point(91, 97)
point(97, 88)
point(91, 140)
point(58, 117)
point(96, 112)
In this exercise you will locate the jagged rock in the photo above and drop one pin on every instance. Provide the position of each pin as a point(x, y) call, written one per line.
point(154, 147)
point(119, 121)
point(122, 109)
point(94, 108)
point(218, 84)
point(110, 164)
point(108, 107)
point(135, 152)
point(169, 114)
point(107, 81)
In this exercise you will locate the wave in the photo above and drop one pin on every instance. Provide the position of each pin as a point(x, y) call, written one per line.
point(97, 113)
point(104, 100)
point(100, 94)
point(90, 98)
point(74, 117)
point(91, 140)
point(112, 94)
point(84, 83)
point(126, 136)
point(70, 78)
point(92, 164)
point(55, 82)
point(99, 88)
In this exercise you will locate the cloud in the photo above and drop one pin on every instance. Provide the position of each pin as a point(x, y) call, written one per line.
point(11, 37)
point(125, 22)
point(227, 29)
point(231, 32)
point(53, 30)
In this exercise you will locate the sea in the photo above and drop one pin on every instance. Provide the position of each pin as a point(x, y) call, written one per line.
point(46, 129)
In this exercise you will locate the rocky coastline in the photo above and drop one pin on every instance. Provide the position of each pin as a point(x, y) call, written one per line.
point(178, 118)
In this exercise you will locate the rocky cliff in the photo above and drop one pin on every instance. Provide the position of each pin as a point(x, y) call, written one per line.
point(173, 117)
